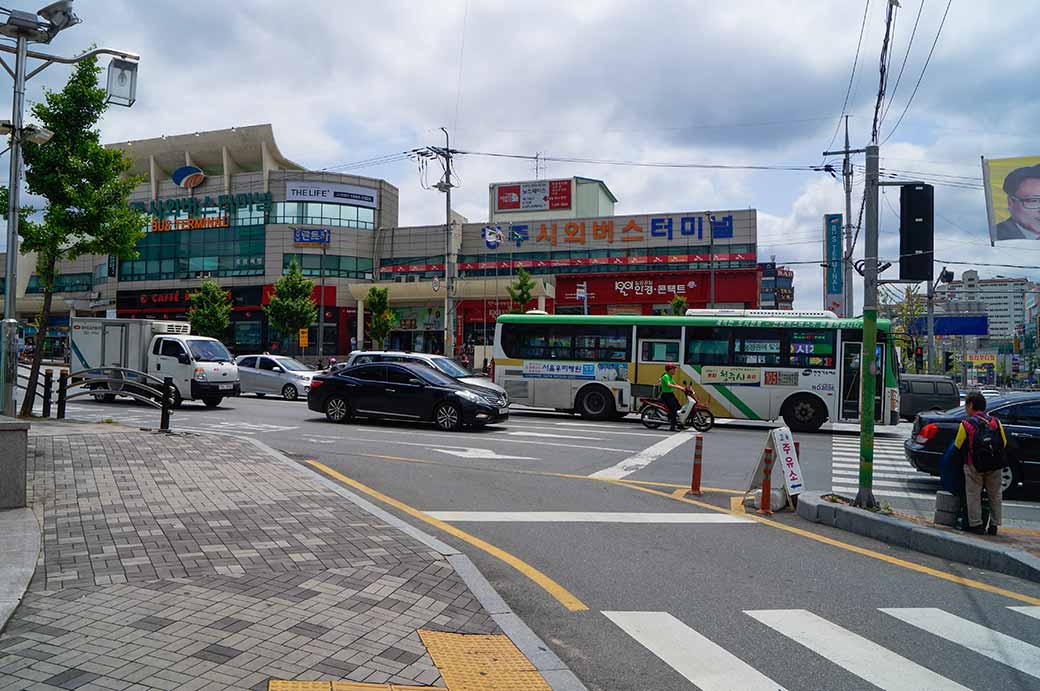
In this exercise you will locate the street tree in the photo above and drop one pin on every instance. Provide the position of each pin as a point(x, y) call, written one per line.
point(85, 187)
point(678, 305)
point(520, 291)
point(292, 305)
point(904, 308)
point(210, 312)
point(378, 305)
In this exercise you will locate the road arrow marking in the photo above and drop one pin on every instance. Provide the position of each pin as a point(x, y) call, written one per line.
point(463, 452)
point(643, 458)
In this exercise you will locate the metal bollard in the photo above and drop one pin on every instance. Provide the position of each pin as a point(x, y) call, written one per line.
point(695, 481)
point(48, 382)
point(798, 450)
point(767, 483)
point(164, 417)
point(63, 386)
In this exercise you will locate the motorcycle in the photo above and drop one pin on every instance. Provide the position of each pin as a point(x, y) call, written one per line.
point(653, 413)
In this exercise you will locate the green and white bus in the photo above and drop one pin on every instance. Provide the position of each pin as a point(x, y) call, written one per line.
point(803, 367)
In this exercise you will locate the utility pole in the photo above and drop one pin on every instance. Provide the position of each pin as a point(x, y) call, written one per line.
point(449, 267)
point(931, 326)
point(868, 360)
point(711, 262)
point(321, 314)
point(10, 375)
point(846, 170)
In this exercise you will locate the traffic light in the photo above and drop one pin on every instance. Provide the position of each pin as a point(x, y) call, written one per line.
point(947, 361)
point(916, 232)
point(919, 359)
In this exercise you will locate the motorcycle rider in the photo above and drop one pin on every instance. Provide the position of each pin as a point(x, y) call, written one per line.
point(668, 387)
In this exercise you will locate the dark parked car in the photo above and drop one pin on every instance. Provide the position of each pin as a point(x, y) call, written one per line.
point(1020, 415)
point(921, 392)
point(403, 391)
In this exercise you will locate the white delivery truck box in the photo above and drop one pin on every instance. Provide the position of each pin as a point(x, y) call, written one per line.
point(201, 367)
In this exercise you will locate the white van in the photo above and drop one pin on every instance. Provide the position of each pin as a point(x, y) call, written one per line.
point(201, 367)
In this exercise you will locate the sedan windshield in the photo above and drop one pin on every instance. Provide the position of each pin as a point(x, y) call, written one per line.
point(208, 351)
point(450, 367)
point(291, 365)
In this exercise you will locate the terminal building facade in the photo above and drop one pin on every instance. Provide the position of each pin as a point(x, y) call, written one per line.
point(229, 206)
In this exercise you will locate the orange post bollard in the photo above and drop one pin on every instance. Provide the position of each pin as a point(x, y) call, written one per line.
point(695, 482)
point(767, 483)
point(798, 449)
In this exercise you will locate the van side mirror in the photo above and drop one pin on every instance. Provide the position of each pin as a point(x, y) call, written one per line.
point(184, 359)
point(276, 368)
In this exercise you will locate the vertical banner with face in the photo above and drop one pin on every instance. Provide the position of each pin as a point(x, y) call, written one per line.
point(833, 273)
point(1012, 197)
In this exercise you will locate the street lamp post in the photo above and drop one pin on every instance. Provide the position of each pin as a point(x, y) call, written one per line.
point(321, 298)
point(24, 27)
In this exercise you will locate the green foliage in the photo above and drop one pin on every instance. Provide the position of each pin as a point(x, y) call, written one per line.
point(292, 308)
point(903, 308)
point(678, 305)
point(378, 304)
point(210, 313)
point(520, 291)
point(86, 188)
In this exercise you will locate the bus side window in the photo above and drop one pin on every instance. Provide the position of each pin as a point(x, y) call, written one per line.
point(811, 348)
point(708, 345)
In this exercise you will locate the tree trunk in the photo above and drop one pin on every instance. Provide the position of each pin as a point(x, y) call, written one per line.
point(34, 372)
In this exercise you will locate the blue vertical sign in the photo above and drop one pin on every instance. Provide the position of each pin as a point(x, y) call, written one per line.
point(834, 278)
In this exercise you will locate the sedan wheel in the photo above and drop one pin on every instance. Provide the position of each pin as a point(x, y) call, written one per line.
point(1009, 479)
point(290, 393)
point(337, 409)
point(448, 417)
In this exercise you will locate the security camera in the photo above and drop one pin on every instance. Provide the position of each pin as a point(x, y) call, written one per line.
point(60, 15)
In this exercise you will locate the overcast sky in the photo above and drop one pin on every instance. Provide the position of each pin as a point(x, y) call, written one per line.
point(732, 82)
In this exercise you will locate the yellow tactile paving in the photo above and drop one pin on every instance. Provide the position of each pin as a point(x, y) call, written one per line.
point(476, 662)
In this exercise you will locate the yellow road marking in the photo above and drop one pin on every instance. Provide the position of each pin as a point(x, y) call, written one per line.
point(895, 561)
point(297, 685)
point(475, 662)
point(736, 505)
point(549, 585)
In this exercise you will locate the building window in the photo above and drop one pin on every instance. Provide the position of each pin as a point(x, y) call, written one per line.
point(64, 283)
point(336, 266)
point(189, 254)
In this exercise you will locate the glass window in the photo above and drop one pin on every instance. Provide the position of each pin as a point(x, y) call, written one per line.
point(450, 367)
point(171, 348)
point(246, 361)
point(813, 348)
point(707, 345)
point(371, 373)
point(756, 347)
point(926, 387)
point(265, 363)
point(362, 359)
point(399, 375)
point(1025, 414)
point(205, 350)
point(292, 365)
point(659, 351)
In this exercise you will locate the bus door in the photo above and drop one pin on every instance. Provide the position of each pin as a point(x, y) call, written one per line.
point(851, 389)
point(656, 346)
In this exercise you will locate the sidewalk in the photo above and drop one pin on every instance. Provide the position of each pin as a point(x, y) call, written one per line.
point(206, 562)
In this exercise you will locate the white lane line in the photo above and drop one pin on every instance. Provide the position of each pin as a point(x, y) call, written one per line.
point(980, 639)
point(1028, 611)
point(854, 462)
point(885, 493)
point(706, 665)
point(583, 427)
point(582, 517)
point(909, 477)
point(482, 453)
point(550, 436)
point(850, 651)
point(645, 457)
point(497, 439)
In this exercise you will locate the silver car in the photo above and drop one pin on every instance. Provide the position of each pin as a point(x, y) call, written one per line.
point(276, 375)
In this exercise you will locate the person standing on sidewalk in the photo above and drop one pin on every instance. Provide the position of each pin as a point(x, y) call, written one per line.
point(982, 444)
point(668, 387)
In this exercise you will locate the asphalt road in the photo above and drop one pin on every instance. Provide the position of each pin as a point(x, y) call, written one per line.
point(675, 599)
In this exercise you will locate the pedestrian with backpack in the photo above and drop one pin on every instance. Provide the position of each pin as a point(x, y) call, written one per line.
point(983, 447)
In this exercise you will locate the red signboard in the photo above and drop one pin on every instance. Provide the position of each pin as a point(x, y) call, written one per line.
point(559, 194)
point(663, 260)
point(535, 195)
point(509, 197)
point(731, 286)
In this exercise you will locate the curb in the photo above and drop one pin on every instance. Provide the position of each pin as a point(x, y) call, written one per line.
point(938, 543)
point(548, 664)
point(21, 537)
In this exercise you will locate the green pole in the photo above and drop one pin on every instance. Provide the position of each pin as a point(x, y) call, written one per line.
point(868, 361)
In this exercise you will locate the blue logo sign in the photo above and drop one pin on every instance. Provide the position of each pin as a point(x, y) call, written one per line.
point(835, 279)
point(188, 177)
point(312, 236)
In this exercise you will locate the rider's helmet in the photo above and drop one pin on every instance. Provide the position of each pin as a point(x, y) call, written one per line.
point(670, 366)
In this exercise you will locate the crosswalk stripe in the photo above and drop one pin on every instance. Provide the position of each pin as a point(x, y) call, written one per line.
point(854, 462)
point(706, 665)
point(583, 517)
point(1028, 611)
point(852, 652)
point(985, 641)
point(892, 483)
point(909, 477)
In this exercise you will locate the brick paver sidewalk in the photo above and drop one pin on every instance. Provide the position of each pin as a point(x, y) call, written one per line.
point(200, 562)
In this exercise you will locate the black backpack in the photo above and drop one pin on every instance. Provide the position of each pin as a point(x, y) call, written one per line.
point(985, 444)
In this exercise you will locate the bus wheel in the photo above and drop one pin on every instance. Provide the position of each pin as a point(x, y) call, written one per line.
point(595, 403)
point(804, 413)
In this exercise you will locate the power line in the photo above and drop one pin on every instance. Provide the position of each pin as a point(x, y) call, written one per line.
point(852, 77)
point(883, 69)
point(649, 164)
point(906, 55)
point(462, 52)
point(923, 70)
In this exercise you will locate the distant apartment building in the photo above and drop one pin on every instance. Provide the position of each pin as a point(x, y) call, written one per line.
point(1004, 300)
point(776, 291)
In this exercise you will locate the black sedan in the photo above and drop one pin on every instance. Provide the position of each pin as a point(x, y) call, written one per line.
point(1019, 413)
point(403, 391)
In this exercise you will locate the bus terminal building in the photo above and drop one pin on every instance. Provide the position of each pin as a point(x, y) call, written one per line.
point(228, 205)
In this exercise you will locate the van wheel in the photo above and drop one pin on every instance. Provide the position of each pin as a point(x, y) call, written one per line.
point(212, 401)
point(804, 413)
point(595, 403)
